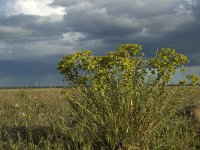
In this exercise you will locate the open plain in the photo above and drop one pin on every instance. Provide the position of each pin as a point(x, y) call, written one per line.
point(35, 118)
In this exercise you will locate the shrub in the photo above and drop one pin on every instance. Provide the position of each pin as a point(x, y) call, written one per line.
point(121, 104)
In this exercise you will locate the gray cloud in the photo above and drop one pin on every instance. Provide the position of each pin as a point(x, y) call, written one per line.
point(196, 8)
point(31, 28)
point(28, 40)
point(152, 23)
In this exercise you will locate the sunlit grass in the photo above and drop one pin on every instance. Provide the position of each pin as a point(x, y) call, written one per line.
point(40, 119)
point(32, 118)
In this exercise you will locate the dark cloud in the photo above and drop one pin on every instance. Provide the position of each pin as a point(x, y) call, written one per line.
point(185, 40)
point(25, 28)
point(151, 23)
point(32, 45)
point(29, 67)
point(196, 8)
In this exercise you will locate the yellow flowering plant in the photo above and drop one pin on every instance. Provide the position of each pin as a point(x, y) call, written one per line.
point(122, 104)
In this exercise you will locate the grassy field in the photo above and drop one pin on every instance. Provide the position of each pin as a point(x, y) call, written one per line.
point(36, 118)
point(32, 119)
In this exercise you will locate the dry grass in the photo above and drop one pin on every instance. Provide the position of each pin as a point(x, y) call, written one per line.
point(44, 106)
point(31, 118)
point(36, 118)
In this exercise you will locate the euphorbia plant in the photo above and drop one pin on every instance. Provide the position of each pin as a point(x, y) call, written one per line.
point(119, 106)
point(82, 68)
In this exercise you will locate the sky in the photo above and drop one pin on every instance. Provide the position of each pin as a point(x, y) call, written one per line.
point(36, 34)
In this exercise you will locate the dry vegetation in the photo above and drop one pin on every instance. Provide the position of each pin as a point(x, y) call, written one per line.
point(32, 119)
point(36, 118)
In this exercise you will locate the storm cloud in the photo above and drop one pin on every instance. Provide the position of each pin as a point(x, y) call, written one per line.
point(34, 35)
